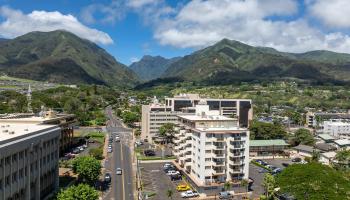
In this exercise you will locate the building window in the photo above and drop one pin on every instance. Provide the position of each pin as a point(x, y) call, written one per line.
point(14, 157)
point(207, 151)
point(21, 155)
point(7, 160)
point(7, 181)
point(14, 177)
point(208, 159)
point(207, 167)
point(208, 143)
point(21, 173)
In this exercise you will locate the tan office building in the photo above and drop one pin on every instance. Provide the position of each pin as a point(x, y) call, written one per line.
point(29, 156)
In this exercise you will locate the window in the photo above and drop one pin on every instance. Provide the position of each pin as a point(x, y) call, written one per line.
point(208, 159)
point(21, 155)
point(207, 151)
point(21, 173)
point(14, 157)
point(7, 160)
point(7, 181)
point(14, 177)
point(208, 143)
point(207, 167)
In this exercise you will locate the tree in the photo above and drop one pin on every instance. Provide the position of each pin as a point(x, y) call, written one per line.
point(315, 156)
point(96, 153)
point(167, 130)
point(343, 159)
point(314, 179)
point(269, 183)
point(262, 130)
point(245, 184)
point(303, 136)
point(87, 168)
point(169, 193)
point(227, 185)
point(79, 192)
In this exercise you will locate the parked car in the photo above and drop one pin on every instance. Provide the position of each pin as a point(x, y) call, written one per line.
point(285, 164)
point(119, 171)
point(183, 187)
point(175, 177)
point(167, 166)
point(91, 141)
point(276, 171)
point(189, 194)
point(225, 195)
point(109, 150)
point(85, 146)
point(296, 159)
point(172, 168)
point(149, 152)
point(172, 172)
point(139, 143)
point(108, 178)
point(76, 151)
point(261, 162)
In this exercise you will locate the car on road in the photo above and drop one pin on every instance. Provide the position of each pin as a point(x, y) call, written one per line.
point(149, 152)
point(109, 150)
point(189, 194)
point(117, 139)
point(183, 187)
point(172, 172)
point(108, 178)
point(225, 195)
point(119, 171)
point(139, 143)
point(175, 177)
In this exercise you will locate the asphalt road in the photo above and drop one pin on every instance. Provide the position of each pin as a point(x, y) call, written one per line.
point(122, 186)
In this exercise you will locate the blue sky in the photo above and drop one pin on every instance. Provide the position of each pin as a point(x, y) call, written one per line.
point(129, 29)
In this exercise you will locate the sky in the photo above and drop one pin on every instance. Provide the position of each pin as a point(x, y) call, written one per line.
point(130, 29)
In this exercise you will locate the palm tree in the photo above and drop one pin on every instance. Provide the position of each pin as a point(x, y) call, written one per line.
point(169, 193)
point(245, 184)
point(269, 184)
point(227, 185)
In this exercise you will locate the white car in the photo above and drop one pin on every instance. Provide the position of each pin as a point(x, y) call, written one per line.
point(189, 194)
point(117, 139)
point(167, 165)
point(172, 172)
point(119, 171)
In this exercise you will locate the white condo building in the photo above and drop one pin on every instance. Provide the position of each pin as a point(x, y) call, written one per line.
point(156, 114)
point(211, 149)
point(337, 128)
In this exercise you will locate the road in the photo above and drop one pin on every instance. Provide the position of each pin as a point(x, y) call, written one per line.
point(122, 185)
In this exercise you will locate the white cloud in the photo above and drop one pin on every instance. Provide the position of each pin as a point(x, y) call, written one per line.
point(335, 13)
point(141, 3)
point(200, 23)
point(111, 13)
point(17, 23)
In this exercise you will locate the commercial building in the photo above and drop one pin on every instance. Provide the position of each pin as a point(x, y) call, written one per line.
point(316, 119)
point(29, 156)
point(156, 114)
point(266, 147)
point(64, 121)
point(336, 128)
point(211, 149)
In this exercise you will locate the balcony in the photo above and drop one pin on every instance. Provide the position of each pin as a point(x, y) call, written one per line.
point(218, 147)
point(218, 164)
point(219, 172)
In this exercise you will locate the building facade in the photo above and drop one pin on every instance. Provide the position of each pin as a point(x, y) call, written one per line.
point(155, 114)
point(211, 149)
point(338, 129)
point(29, 155)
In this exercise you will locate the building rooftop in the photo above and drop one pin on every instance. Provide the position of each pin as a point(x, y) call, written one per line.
point(342, 142)
point(325, 136)
point(197, 97)
point(206, 118)
point(337, 123)
point(305, 148)
point(221, 129)
point(12, 130)
point(36, 119)
point(258, 143)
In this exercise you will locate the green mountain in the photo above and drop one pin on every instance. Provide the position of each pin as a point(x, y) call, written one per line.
point(230, 61)
point(151, 67)
point(61, 57)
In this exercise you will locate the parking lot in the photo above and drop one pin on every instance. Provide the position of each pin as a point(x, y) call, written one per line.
point(257, 173)
point(155, 180)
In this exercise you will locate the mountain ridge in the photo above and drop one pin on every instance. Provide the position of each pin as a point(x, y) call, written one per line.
point(229, 61)
point(60, 56)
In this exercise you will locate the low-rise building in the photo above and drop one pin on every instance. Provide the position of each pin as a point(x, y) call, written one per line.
point(342, 143)
point(211, 149)
point(64, 121)
point(266, 147)
point(29, 156)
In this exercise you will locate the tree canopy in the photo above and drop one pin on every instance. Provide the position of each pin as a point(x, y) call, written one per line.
point(266, 131)
point(87, 168)
point(313, 181)
point(303, 136)
point(79, 192)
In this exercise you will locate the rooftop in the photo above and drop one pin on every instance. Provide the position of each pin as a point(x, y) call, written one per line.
point(206, 118)
point(258, 143)
point(342, 142)
point(326, 136)
point(337, 123)
point(197, 97)
point(305, 148)
point(13, 130)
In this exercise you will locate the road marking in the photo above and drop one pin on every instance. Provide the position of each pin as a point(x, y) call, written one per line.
point(121, 159)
